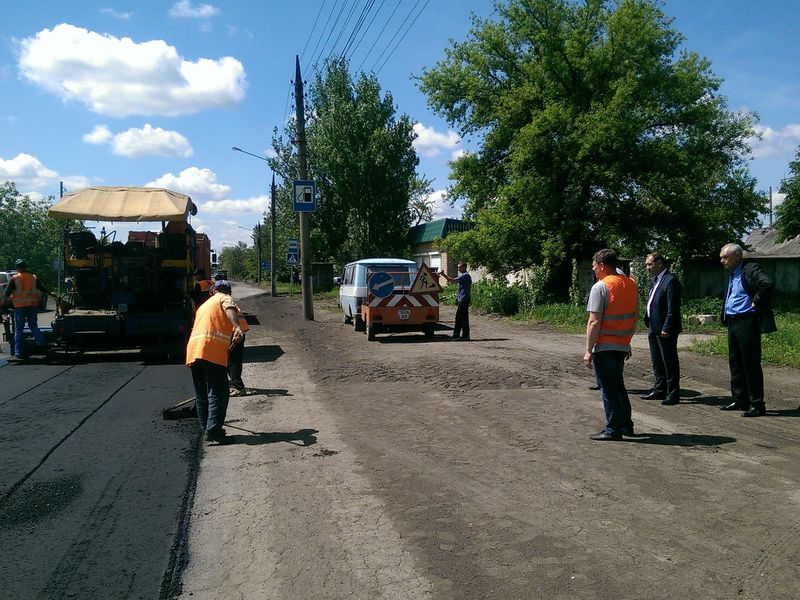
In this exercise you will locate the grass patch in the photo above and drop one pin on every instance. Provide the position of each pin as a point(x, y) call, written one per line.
point(779, 348)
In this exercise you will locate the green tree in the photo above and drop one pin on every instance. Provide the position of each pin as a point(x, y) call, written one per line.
point(788, 211)
point(27, 232)
point(420, 205)
point(362, 158)
point(595, 129)
point(234, 259)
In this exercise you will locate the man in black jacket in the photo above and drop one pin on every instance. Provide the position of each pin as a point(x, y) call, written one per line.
point(747, 313)
point(663, 320)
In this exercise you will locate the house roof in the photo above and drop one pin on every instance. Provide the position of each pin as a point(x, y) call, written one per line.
point(438, 229)
point(763, 243)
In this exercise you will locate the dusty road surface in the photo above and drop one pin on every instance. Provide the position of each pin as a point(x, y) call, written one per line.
point(406, 468)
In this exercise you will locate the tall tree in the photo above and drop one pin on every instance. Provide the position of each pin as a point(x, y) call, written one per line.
point(362, 158)
point(788, 211)
point(595, 128)
point(27, 232)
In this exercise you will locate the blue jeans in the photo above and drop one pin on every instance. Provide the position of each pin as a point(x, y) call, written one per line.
point(211, 394)
point(608, 367)
point(21, 316)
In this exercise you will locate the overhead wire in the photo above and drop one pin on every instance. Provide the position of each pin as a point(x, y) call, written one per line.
point(322, 33)
point(357, 27)
point(358, 43)
point(311, 33)
point(399, 29)
point(333, 28)
point(342, 29)
point(385, 25)
point(403, 36)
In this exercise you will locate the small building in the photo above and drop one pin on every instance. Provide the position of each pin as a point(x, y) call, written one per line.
point(424, 241)
point(779, 260)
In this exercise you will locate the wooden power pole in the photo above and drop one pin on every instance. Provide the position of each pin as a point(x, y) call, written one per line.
point(302, 174)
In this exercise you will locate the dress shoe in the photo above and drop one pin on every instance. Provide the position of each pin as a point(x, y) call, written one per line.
point(628, 432)
point(670, 401)
point(594, 387)
point(604, 436)
point(757, 410)
point(733, 406)
point(653, 396)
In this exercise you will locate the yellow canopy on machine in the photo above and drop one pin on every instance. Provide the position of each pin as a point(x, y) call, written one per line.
point(109, 203)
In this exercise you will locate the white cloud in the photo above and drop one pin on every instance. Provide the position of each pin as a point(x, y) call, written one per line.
point(99, 135)
point(144, 141)
point(120, 77)
point(200, 184)
point(442, 208)
point(183, 9)
point(149, 141)
point(124, 16)
point(430, 142)
point(27, 172)
point(776, 142)
point(256, 204)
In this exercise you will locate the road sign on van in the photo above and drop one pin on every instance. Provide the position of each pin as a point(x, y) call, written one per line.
point(425, 282)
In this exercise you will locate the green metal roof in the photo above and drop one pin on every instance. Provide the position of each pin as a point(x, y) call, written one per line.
point(438, 229)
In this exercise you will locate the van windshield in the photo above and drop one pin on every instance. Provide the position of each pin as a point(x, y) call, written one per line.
point(403, 275)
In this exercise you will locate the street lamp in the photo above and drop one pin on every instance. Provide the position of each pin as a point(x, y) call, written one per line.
point(273, 288)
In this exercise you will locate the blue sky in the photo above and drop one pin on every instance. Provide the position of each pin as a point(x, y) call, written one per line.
point(157, 93)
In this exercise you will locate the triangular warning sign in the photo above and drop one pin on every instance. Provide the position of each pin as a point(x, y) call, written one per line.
point(425, 282)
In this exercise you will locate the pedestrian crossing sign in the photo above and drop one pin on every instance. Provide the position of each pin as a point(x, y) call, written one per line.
point(425, 282)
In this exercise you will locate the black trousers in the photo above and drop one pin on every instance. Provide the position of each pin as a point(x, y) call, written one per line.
point(744, 358)
point(461, 327)
point(666, 367)
point(235, 364)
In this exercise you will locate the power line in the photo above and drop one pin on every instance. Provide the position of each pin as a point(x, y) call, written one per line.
point(403, 36)
point(330, 14)
point(357, 27)
point(413, 8)
point(374, 16)
point(319, 12)
point(341, 31)
point(379, 35)
point(333, 28)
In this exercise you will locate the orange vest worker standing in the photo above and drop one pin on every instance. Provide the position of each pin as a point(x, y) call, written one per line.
point(25, 291)
point(216, 327)
point(613, 308)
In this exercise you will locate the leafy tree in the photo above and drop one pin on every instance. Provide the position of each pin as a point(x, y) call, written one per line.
point(27, 232)
point(361, 156)
point(788, 211)
point(595, 129)
point(233, 259)
point(421, 206)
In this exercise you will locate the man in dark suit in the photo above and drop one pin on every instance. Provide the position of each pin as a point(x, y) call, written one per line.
point(663, 320)
point(747, 313)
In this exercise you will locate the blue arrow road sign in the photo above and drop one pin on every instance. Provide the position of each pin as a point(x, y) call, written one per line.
point(381, 284)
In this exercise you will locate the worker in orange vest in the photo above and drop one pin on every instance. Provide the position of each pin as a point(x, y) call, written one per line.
point(202, 287)
point(613, 308)
point(25, 291)
point(216, 327)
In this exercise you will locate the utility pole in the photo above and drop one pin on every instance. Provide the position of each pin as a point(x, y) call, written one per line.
point(258, 242)
point(302, 174)
point(273, 288)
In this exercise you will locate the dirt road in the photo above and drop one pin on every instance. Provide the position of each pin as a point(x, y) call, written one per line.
point(406, 468)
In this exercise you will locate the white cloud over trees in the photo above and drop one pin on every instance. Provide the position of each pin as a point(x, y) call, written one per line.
point(200, 184)
point(144, 141)
point(430, 143)
point(183, 9)
point(120, 77)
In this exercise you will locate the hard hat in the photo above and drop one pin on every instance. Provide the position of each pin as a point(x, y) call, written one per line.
point(20, 264)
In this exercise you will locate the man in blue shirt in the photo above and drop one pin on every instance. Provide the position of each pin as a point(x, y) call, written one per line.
point(464, 296)
point(747, 313)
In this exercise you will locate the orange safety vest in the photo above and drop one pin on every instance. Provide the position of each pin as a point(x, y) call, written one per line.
point(25, 291)
point(205, 284)
point(618, 321)
point(211, 335)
